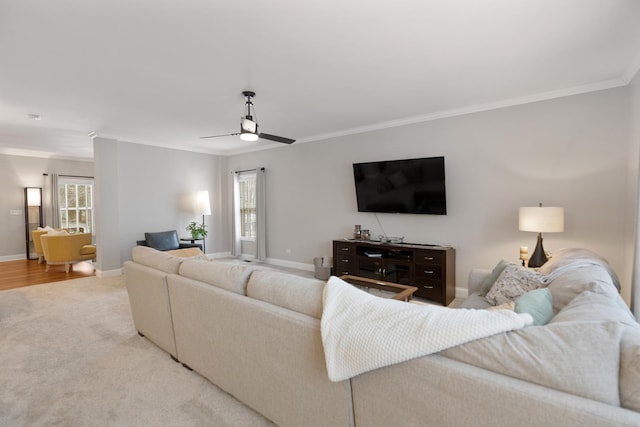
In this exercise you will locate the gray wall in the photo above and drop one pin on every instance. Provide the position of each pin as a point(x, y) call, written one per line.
point(142, 188)
point(577, 152)
point(570, 152)
point(17, 172)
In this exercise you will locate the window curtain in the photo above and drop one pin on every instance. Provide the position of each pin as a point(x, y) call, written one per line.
point(261, 215)
point(236, 244)
point(635, 282)
point(50, 200)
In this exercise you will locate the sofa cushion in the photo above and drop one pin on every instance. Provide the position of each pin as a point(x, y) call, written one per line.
point(596, 307)
point(162, 241)
point(475, 301)
point(630, 368)
point(581, 358)
point(296, 293)
point(229, 276)
point(566, 256)
point(156, 259)
point(511, 283)
point(538, 304)
point(573, 282)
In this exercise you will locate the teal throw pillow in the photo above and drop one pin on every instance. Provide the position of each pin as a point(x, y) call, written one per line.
point(488, 282)
point(538, 304)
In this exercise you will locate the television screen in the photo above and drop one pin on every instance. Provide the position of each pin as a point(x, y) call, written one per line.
point(414, 186)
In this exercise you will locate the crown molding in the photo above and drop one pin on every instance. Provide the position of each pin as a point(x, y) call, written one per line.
point(544, 96)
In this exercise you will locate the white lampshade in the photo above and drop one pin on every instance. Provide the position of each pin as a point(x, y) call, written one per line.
point(203, 206)
point(33, 197)
point(541, 219)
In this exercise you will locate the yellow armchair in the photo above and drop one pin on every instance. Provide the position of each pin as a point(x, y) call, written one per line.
point(37, 245)
point(67, 249)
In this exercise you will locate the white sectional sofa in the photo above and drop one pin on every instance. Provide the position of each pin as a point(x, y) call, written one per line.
point(256, 334)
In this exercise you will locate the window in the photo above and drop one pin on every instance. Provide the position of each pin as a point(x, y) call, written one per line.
point(247, 188)
point(75, 202)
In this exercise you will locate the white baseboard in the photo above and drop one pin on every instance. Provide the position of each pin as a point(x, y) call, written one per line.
point(108, 273)
point(13, 257)
point(290, 264)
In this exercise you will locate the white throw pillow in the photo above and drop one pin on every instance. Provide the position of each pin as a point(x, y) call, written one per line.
point(513, 282)
point(57, 233)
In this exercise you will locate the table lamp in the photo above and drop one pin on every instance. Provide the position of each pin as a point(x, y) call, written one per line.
point(540, 219)
point(203, 207)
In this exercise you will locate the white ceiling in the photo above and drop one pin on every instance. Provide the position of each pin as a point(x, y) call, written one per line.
point(168, 71)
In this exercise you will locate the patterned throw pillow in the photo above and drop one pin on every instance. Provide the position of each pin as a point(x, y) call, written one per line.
point(488, 281)
point(513, 282)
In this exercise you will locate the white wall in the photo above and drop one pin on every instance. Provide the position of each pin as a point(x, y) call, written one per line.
point(17, 172)
point(142, 188)
point(570, 152)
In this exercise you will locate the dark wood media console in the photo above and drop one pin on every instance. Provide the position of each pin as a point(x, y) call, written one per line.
point(429, 268)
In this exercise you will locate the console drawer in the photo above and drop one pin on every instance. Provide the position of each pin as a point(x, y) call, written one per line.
point(429, 257)
point(344, 248)
point(429, 289)
point(426, 271)
point(345, 264)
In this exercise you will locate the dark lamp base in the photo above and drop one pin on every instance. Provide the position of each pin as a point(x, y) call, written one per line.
point(539, 257)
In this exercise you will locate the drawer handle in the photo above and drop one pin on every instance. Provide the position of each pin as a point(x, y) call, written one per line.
point(429, 258)
point(428, 271)
point(428, 287)
point(346, 272)
point(345, 249)
point(345, 260)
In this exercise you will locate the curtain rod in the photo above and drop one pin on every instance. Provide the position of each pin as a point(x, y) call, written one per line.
point(71, 176)
point(249, 170)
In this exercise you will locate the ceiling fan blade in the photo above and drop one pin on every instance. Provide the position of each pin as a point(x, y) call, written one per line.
point(277, 138)
point(219, 136)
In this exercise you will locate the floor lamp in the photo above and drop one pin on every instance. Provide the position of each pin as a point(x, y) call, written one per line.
point(540, 219)
point(203, 207)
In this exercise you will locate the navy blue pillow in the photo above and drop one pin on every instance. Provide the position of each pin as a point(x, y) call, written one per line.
point(163, 241)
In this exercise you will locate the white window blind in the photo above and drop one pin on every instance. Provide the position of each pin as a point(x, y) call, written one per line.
point(75, 204)
point(247, 198)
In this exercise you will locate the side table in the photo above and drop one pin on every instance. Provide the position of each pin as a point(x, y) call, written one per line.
point(193, 241)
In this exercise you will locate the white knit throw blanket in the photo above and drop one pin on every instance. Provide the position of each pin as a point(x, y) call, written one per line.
point(362, 332)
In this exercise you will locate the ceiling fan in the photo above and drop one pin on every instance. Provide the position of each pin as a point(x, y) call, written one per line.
point(249, 125)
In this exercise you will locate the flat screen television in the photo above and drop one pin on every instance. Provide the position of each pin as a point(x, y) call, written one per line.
point(415, 186)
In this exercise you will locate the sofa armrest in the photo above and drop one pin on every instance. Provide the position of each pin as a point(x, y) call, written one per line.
point(476, 277)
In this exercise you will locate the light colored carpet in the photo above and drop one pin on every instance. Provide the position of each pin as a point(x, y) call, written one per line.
point(70, 356)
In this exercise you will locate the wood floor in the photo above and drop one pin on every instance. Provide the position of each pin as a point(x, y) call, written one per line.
point(17, 274)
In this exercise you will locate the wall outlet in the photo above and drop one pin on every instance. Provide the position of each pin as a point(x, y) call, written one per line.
point(15, 212)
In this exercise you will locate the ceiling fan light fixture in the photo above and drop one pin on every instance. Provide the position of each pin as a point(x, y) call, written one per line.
point(248, 136)
point(249, 125)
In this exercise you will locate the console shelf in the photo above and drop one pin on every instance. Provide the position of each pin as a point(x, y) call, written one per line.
point(430, 268)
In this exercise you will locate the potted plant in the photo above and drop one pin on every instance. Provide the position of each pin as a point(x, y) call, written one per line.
point(198, 231)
